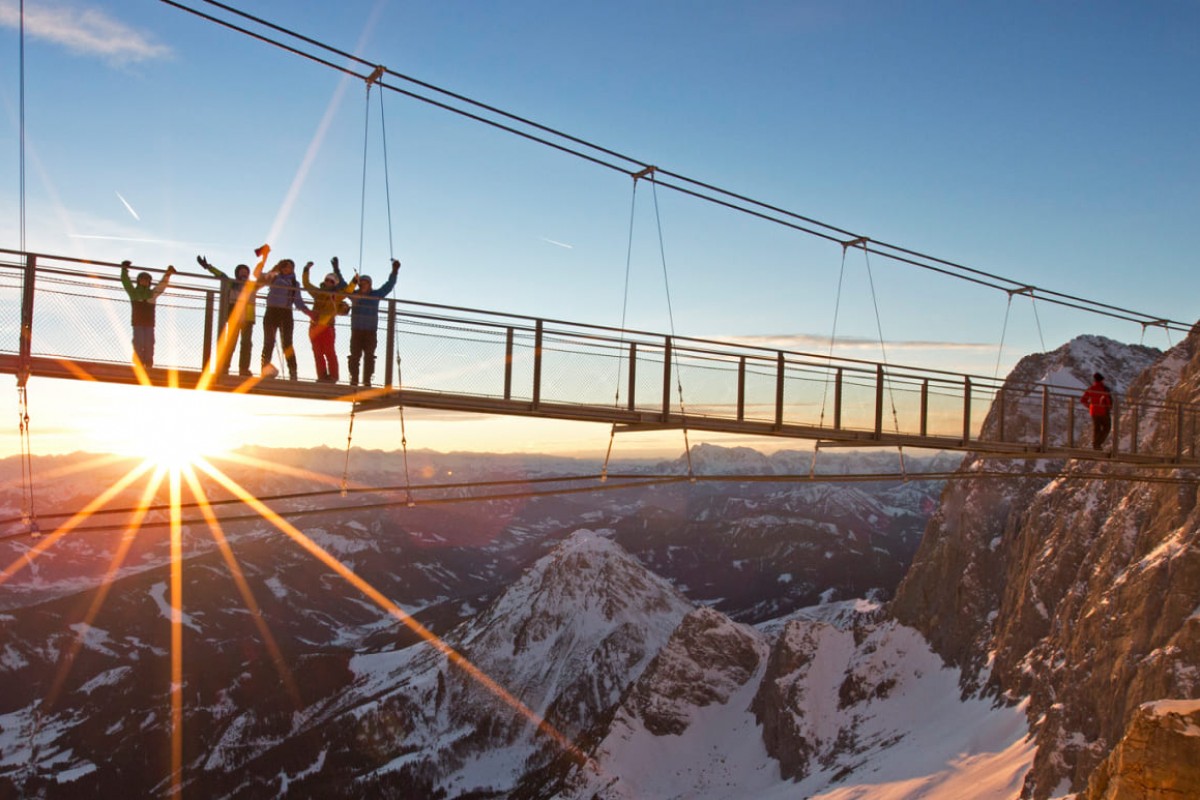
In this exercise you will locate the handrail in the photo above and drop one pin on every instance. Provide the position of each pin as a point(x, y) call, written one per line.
point(550, 366)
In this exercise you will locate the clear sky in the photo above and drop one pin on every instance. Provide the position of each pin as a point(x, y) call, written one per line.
point(1052, 143)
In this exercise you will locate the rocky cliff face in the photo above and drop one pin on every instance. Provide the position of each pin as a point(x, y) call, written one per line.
point(1078, 591)
point(1158, 758)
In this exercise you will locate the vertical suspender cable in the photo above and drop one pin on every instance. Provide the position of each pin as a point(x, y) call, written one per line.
point(387, 185)
point(1038, 320)
point(362, 202)
point(28, 512)
point(362, 217)
point(21, 114)
point(837, 306)
point(621, 352)
point(1003, 333)
point(687, 448)
point(387, 193)
point(883, 348)
point(349, 438)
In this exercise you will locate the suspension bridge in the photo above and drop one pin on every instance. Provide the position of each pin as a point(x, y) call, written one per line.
point(69, 318)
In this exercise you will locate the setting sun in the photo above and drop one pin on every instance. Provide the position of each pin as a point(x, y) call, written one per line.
point(170, 427)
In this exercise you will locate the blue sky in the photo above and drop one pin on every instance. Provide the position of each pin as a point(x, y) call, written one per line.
point(1052, 143)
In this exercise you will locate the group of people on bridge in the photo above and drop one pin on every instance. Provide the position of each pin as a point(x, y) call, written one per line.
point(357, 298)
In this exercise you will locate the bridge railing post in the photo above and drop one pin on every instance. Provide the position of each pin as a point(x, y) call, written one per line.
point(741, 389)
point(632, 375)
point(538, 332)
point(1116, 425)
point(1000, 408)
point(1045, 440)
point(25, 345)
point(780, 369)
point(509, 335)
point(1070, 422)
point(837, 400)
point(1134, 415)
point(966, 437)
point(925, 407)
point(666, 389)
point(206, 361)
point(1179, 431)
point(389, 374)
point(878, 401)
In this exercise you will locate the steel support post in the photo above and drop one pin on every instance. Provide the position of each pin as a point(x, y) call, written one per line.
point(508, 362)
point(389, 368)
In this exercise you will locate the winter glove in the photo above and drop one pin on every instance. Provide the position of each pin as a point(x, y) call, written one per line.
point(395, 265)
point(126, 264)
point(334, 262)
point(202, 261)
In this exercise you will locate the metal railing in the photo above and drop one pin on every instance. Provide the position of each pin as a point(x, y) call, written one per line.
point(76, 310)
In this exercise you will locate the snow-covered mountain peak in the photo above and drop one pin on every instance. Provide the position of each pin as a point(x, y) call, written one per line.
point(584, 588)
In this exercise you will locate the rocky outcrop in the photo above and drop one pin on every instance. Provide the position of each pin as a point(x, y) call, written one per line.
point(963, 565)
point(1157, 759)
point(1079, 590)
point(707, 658)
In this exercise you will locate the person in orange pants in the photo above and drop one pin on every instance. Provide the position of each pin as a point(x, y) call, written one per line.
point(328, 304)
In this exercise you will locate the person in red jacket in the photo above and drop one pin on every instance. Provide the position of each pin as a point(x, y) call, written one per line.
point(1099, 401)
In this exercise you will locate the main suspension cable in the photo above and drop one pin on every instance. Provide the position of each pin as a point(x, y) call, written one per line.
point(603, 156)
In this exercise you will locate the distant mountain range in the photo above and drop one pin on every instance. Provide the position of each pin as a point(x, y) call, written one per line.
point(1036, 635)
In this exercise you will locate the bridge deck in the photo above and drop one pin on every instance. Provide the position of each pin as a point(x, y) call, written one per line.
point(73, 324)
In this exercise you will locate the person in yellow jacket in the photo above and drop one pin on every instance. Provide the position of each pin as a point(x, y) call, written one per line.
point(328, 304)
point(238, 291)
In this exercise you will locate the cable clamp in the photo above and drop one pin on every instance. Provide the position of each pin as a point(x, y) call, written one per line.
point(648, 172)
point(376, 75)
point(1161, 323)
point(1027, 290)
point(860, 241)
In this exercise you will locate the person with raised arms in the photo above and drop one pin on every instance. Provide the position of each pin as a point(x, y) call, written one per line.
point(364, 320)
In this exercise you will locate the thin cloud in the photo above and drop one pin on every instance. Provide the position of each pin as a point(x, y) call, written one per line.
point(810, 343)
point(84, 31)
point(139, 240)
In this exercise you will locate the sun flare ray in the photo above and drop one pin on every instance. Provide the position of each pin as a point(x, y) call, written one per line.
point(239, 578)
point(452, 655)
point(279, 468)
point(87, 465)
point(176, 638)
point(48, 541)
point(127, 538)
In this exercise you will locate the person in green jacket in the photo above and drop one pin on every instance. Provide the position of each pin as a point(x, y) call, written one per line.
point(239, 289)
point(143, 296)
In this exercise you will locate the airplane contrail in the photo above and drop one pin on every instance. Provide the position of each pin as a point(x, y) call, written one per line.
point(560, 244)
point(129, 207)
point(137, 239)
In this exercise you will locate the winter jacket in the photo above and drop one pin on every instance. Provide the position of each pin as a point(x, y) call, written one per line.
point(364, 306)
point(283, 291)
point(232, 289)
point(1098, 399)
point(142, 299)
point(327, 305)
